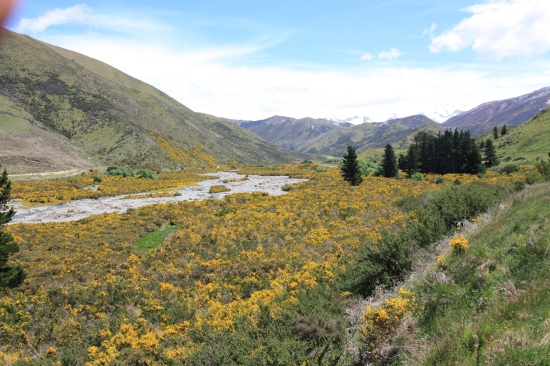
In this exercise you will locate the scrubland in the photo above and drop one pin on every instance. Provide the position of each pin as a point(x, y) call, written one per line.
point(247, 280)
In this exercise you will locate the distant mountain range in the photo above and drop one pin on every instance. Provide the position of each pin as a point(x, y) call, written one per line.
point(322, 136)
point(510, 112)
point(61, 110)
point(331, 136)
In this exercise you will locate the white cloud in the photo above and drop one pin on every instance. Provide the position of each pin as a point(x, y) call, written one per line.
point(429, 31)
point(367, 57)
point(76, 14)
point(82, 14)
point(392, 54)
point(501, 29)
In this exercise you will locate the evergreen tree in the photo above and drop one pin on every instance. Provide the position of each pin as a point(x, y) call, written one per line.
point(412, 160)
point(472, 156)
point(490, 154)
point(389, 162)
point(350, 168)
point(504, 131)
point(495, 132)
point(9, 277)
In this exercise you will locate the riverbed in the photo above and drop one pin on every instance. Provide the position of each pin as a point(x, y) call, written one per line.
point(79, 209)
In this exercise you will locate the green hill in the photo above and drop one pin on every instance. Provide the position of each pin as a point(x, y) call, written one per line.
point(82, 108)
point(528, 142)
point(524, 144)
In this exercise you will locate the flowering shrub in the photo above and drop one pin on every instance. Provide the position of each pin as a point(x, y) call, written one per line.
point(459, 244)
point(380, 322)
point(441, 262)
point(218, 189)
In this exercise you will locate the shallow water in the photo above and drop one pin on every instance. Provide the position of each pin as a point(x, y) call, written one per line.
point(76, 210)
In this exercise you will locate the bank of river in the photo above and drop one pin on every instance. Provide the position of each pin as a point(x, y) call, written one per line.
point(76, 210)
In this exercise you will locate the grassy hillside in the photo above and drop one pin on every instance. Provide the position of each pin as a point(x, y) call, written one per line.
point(109, 116)
point(526, 143)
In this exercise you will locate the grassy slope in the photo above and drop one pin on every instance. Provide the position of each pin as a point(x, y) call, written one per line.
point(524, 144)
point(110, 115)
point(491, 304)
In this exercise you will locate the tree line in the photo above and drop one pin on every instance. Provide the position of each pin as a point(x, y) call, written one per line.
point(444, 153)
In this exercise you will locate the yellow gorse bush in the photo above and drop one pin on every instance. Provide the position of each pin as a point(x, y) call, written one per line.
point(459, 244)
point(380, 322)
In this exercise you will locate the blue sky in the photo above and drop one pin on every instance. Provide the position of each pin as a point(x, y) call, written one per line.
point(254, 59)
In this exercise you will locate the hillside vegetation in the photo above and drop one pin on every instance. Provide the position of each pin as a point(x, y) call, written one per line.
point(82, 112)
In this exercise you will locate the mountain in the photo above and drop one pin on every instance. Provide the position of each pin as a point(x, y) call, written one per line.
point(290, 133)
point(510, 112)
point(60, 109)
point(367, 136)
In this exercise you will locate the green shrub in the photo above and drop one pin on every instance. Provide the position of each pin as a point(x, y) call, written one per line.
point(320, 169)
point(417, 176)
point(147, 174)
point(119, 170)
point(509, 169)
point(98, 179)
point(385, 263)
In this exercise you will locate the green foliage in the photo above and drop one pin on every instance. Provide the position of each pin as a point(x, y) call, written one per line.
point(153, 239)
point(118, 170)
point(350, 168)
point(509, 169)
point(382, 264)
point(9, 276)
point(490, 154)
point(98, 179)
point(417, 176)
point(147, 174)
point(320, 169)
point(495, 133)
point(446, 153)
point(369, 168)
point(388, 262)
point(389, 162)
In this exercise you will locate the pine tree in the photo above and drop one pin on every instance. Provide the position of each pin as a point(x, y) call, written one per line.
point(504, 131)
point(495, 132)
point(9, 276)
point(389, 162)
point(490, 154)
point(412, 160)
point(350, 168)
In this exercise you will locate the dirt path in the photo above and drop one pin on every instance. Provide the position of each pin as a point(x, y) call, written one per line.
point(76, 210)
point(56, 174)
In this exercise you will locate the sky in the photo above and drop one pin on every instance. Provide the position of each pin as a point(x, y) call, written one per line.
point(252, 59)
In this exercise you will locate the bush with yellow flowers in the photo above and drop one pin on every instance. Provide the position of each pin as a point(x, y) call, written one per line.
point(380, 322)
point(459, 244)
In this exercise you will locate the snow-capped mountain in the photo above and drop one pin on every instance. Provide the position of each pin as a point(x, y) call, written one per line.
point(441, 117)
point(355, 120)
